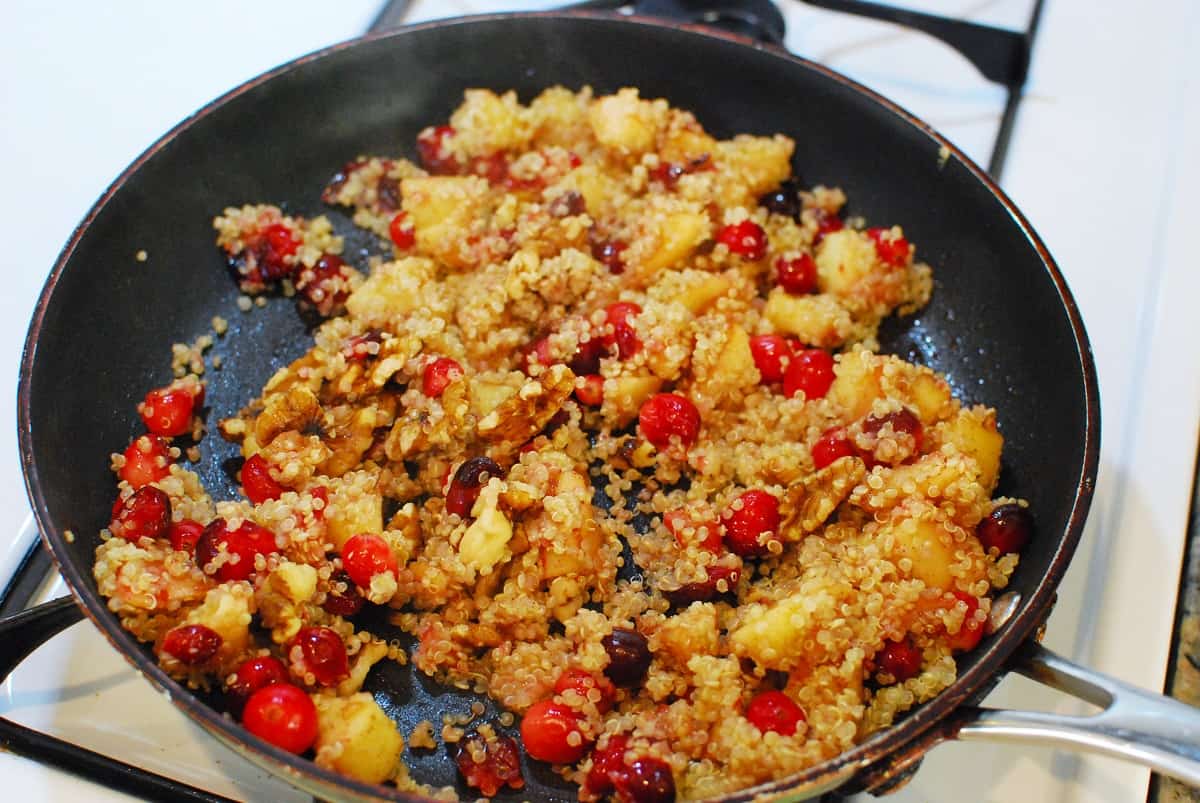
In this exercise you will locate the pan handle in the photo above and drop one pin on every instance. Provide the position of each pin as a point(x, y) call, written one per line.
point(1134, 724)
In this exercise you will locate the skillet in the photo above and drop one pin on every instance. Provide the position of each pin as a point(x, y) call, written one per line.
point(1002, 326)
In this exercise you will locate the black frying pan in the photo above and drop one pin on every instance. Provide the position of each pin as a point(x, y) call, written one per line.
point(1002, 325)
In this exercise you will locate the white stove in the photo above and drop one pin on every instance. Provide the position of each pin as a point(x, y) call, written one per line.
point(1102, 161)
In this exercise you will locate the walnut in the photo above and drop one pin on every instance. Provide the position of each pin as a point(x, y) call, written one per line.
point(806, 506)
point(520, 417)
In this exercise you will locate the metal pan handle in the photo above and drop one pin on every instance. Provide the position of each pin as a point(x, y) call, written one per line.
point(1134, 724)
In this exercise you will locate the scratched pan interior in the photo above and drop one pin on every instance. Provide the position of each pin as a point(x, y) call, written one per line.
point(1001, 323)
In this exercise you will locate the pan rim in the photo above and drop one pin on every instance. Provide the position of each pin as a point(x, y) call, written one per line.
point(966, 687)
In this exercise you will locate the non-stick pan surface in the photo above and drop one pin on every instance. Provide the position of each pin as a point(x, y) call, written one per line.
point(1001, 323)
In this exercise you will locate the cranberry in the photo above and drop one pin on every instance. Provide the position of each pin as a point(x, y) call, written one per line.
point(146, 460)
point(751, 516)
point(357, 348)
point(325, 285)
point(494, 167)
point(433, 152)
point(241, 546)
point(184, 535)
point(586, 359)
point(168, 411)
point(746, 239)
point(628, 657)
point(706, 534)
point(785, 200)
point(608, 764)
point(827, 223)
point(832, 445)
point(500, 766)
point(1007, 528)
point(191, 644)
point(254, 674)
point(900, 659)
point(387, 193)
point(546, 732)
point(811, 371)
point(797, 276)
point(343, 603)
point(645, 780)
point(438, 375)
point(145, 514)
point(591, 391)
point(608, 253)
point(324, 655)
point(257, 481)
point(468, 479)
point(969, 635)
point(903, 420)
point(623, 335)
point(775, 712)
point(582, 683)
point(538, 353)
point(366, 555)
point(704, 590)
point(892, 250)
point(667, 416)
point(330, 194)
point(771, 354)
point(283, 715)
point(281, 244)
point(568, 204)
point(667, 174)
point(401, 231)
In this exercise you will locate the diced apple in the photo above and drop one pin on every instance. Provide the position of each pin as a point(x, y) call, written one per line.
point(623, 396)
point(817, 320)
point(856, 383)
point(356, 738)
point(676, 238)
point(699, 295)
point(974, 432)
point(843, 259)
point(624, 122)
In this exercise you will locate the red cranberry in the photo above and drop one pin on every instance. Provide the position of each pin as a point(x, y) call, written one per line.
point(401, 231)
point(325, 284)
point(892, 250)
point(468, 479)
point(582, 683)
point(811, 371)
point(146, 460)
point(797, 276)
point(366, 555)
point(281, 244)
point(241, 546)
point(357, 348)
point(1007, 528)
point(706, 534)
point(667, 174)
point(438, 375)
point(145, 514)
point(433, 152)
point(774, 711)
point(282, 715)
point(168, 411)
point(752, 515)
point(667, 416)
point(971, 632)
point(628, 657)
point(832, 445)
point(900, 659)
point(494, 168)
point(324, 655)
point(257, 481)
point(623, 335)
point(191, 644)
point(903, 420)
point(184, 535)
point(591, 391)
point(746, 239)
point(608, 253)
point(343, 603)
point(330, 194)
point(827, 223)
point(608, 764)
point(568, 204)
point(707, 589)
point(771, 354)
point(500, 767)
point(538, 353)
point(254, 674)
point(546, 731)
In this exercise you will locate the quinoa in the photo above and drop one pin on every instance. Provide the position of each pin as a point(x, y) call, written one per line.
point(581, 300)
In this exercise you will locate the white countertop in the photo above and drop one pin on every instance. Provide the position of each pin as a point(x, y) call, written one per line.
point(1103, 163)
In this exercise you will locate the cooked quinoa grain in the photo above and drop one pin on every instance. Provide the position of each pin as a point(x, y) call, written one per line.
point(579, 296)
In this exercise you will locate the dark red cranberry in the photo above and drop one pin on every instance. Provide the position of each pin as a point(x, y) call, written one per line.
point(811, 371)
point(900, 659)
point(254, 674)
point(184, 535)
point(586, 359)
point(257, 481)
point(324, 655)
point(707, 589)
point(784, 200)
point(438, 375)
point(325, 284)
point(771, 354)
point(903, 420)
point(494, 168)
point(433, 152)
point(774, 711)
point(628, 656)
point(568, 204)
point(746, 239)
point(501, 765)
point(346, 602)
point(357, 348)
point(797, 276)
point(468, 479)
point(334, 187)
point(241, 546)
point(645, 780)
point(892, 250)
point(145, 514)
point(1007, 528)
point(623, 335)
point(146, 460)
point(832, 445)
point(191, 644)
point(388, 194)
point(667, 416)
point(750, 517)
point(608, 253)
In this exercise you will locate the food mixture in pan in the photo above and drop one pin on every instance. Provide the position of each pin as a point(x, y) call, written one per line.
point(578, 298)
